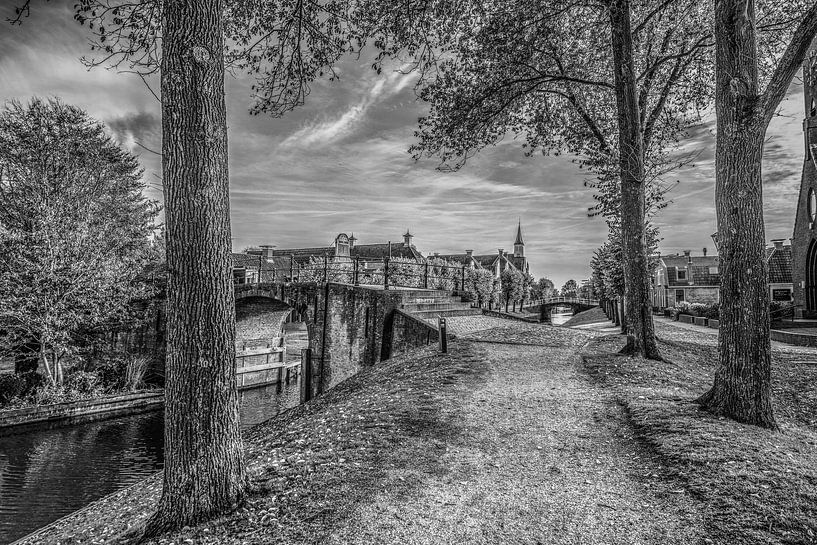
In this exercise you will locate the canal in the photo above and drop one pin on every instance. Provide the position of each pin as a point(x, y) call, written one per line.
point(560, 315)
point(49, 473)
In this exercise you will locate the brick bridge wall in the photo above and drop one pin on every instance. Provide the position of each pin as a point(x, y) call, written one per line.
point(349, 326)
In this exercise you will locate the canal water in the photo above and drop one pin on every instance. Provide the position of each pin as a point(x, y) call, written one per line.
point(47, 474)
point(560, 315)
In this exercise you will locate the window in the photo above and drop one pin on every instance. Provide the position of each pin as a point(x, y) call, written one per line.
point(682, 274)
point(713, 270)
point(812, 205)
point(679, 296)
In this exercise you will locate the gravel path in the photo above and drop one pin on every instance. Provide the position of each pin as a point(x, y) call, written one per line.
point(540, 456)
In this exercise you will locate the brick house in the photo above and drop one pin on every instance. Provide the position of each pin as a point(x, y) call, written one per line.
point(497, 262)
point(779, 259)
point(694, 279)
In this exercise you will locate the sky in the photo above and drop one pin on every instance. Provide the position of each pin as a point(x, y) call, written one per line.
point(340, 163)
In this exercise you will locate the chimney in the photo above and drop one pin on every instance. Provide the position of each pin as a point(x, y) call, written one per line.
point(501, 252)
point(687, 254)
point(469, 253)
point(778, 243)
point(352, 241)
point(704, 251)
point(407, 239)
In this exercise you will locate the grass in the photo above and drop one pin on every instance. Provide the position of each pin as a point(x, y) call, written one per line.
point(592, 316)
point(759, 486)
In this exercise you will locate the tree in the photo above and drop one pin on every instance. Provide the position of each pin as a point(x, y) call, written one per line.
point(550, 73)
point(479, 284)
point(74, 230)
point(569, 289)
point(742, 385)
point(512, 286)
point(285, 46)
point(543, 288)
point(204, 469)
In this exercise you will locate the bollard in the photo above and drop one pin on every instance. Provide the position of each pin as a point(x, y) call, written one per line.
point(306, 374)
point(441, 327)
point(280, 381)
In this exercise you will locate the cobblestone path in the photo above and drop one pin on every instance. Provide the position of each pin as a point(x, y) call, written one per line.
point(538, 455)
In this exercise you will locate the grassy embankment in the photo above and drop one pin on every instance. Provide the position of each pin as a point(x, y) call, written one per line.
point(760, 486)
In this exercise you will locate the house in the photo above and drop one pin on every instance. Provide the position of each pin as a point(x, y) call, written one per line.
point(498, 262)
point(694, 279)
point(277, 264)
point(779, 258)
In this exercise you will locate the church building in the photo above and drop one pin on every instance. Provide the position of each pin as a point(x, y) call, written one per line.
point(804, 242)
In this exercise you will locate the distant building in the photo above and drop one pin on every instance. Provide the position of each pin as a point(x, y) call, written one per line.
point(285, 262)
point(497, 262)
point(694, 279)
point(779, 259)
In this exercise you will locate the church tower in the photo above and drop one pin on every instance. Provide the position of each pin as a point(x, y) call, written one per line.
point(804, 242)
point(519, 259)
point(518, 245)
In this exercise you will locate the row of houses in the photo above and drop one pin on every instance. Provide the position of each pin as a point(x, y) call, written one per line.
point(286, 264)
point(696, 279)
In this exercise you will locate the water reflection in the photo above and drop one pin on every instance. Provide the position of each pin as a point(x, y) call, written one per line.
point(560, 315)
point(47, 474)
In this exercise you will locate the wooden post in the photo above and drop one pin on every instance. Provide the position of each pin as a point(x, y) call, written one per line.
point(386, 271)
point(280, 382)
point(425, 277)
point(356, 280)
point(441, 327)
point(306, 374)
point(325, 268)
point(462, 281)
point(292, 267)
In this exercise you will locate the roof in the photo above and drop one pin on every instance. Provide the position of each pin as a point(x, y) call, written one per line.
point(519, 234)
point(380, 251)
point(700, 270)
point(779, 260)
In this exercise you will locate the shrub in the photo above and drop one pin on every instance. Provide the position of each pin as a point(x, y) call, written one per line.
point(11, 385)
point(697, 309)
point(684, 308)
point(82, 383)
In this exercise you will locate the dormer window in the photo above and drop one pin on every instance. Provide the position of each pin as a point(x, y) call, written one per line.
point(682, 274)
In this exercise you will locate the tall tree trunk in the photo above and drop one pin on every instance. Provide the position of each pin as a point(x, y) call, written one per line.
point(203, 471)
point(742, 387)
point(639, 324)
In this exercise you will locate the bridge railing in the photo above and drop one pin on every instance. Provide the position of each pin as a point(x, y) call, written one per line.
point(566, 300)
point(384, 272)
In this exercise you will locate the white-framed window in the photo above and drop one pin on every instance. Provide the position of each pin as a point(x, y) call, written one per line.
point(713, 270)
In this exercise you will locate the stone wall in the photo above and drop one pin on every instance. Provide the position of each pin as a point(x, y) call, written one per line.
point(410, 333)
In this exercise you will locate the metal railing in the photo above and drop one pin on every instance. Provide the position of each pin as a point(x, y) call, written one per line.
point(561, 299)
point(384, 272)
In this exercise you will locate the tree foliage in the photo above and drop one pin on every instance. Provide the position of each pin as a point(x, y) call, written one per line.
point(74, 229)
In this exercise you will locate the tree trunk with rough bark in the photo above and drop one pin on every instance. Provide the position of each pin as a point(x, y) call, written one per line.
point(742, 387)
point(203, 471)
point(638, 320)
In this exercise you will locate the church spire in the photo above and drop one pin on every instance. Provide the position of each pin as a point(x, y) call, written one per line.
point(519, 234)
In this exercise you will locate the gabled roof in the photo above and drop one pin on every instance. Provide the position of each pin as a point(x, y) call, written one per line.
point(779, 260)
point(700, 270)
point(380, 251)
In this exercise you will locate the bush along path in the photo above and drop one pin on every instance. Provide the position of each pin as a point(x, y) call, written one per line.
point(503, 440)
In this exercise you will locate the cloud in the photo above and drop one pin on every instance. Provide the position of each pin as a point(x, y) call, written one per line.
point(142, 127)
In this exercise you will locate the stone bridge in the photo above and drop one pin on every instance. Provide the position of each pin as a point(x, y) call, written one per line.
point(349, 326)
point(543, 307)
